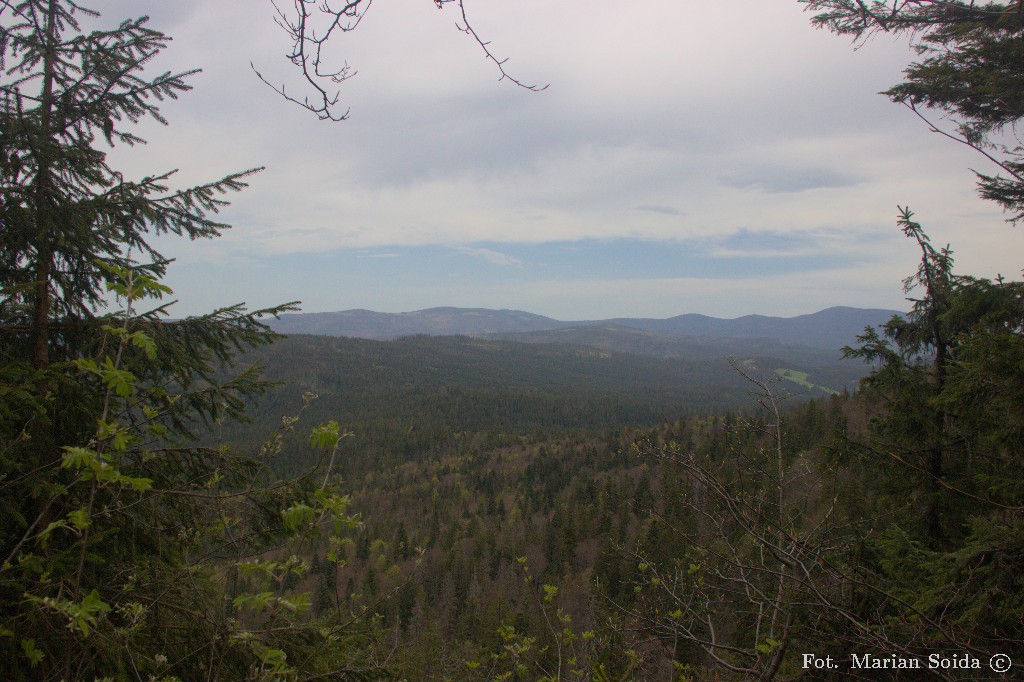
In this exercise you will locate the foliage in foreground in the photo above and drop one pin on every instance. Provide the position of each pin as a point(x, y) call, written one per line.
point(129, 552)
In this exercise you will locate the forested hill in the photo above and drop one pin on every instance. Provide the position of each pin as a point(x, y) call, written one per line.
point(627, 339)
point(406, 398)
point(831, 328)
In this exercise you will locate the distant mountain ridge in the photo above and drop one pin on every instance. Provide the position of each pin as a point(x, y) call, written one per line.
point(367, 324)
point(830, 328)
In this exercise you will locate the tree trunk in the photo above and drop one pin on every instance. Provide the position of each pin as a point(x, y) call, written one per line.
point(43, 213)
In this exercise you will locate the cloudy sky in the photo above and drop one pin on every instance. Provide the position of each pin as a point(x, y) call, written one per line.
point(711, 157)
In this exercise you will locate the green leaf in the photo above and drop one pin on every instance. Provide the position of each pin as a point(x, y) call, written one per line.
point(325, 435)
point(298, 603)
point(136, 483)
point(550, 592)
point(118, 435)
point(157, 430)
point(34, 655)
point(122, 382)
point(142, 340)
point(79, 458)
point(297, 515)
point(768, 645)
point(253, 602)
point(79, 518)
point(274, 659)
point(86, 613)
point(87, 365)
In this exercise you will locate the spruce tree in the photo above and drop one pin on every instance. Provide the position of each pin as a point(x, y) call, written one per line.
point(129, 551)
point(67, 213)
point(942, 465)
point(939, 569)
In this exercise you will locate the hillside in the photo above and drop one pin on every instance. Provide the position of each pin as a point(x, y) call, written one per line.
point(626, 339)
point(413, 397)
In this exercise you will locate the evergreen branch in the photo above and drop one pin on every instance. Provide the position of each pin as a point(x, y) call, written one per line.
point(974, 144)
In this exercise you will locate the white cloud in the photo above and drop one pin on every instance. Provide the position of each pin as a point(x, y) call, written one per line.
point(489, 255)
point(648, 110)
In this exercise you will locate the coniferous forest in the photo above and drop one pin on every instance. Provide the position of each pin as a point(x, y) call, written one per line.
point(201, 498)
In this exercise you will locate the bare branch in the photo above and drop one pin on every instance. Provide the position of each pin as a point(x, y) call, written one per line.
point(468, 29)
point(313, 24)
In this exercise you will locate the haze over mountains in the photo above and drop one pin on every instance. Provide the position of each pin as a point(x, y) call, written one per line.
point(831, 328)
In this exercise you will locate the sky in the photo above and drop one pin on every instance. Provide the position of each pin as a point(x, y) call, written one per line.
point(687, 157)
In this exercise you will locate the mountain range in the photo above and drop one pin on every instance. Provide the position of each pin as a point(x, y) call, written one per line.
point(831, 328)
